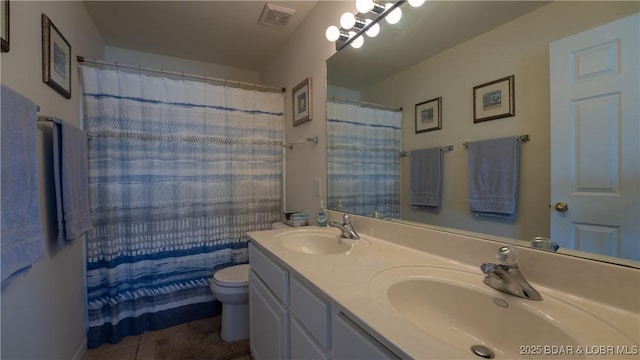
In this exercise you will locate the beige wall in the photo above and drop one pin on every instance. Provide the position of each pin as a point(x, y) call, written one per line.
point(170, 63)
point(304, 56)
point(517, 48)
point(43, 312)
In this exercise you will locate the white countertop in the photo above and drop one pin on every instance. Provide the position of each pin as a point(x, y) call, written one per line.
point(346, 279)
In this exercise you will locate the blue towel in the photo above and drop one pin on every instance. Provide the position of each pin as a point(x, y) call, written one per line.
point(22, 239)
point(71, 176)
point(426, 177)
point(493, 177)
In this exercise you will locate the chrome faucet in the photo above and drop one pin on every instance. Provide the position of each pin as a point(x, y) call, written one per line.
point(348, 232)
point(506, 276)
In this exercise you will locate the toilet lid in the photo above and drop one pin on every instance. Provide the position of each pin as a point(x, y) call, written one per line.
point(237, 275)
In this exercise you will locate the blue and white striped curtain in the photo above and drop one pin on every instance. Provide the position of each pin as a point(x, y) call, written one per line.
point(179, 171)
point(363, 156)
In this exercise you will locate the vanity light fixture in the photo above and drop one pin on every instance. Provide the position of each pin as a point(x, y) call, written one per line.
point(373, 30)
point(416, 3)
point(348, 21)
point(358, 41)
point(365, 6)
point(394, 16)
point(367, 18)
point(333, 33)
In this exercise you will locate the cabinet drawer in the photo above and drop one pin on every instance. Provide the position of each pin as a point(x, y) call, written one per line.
point(273, 275)
point(311, 311)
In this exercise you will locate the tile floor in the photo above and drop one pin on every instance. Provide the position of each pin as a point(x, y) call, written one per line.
point(141, 347)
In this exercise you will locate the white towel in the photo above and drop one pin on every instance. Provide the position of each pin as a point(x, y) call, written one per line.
point(71, 181)
point(22, 239)
point(426, 177)
point(494, 168)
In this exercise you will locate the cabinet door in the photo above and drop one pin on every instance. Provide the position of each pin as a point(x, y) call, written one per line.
point(352, 342)
point(303, 345)
point(268, 323)
point(312, 311)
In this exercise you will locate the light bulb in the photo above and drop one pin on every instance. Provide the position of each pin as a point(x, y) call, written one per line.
point(416, 3)
point(358, 41)
point(347, 20)
point(394, 16)
point(374, 30)
point(332, 33)
point(364, 6)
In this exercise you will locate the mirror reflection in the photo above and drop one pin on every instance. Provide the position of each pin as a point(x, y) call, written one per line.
point(445, 49)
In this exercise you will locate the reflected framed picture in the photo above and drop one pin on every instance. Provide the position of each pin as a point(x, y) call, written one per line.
point(4, 31)
point(494, 100)
point(56, 58)
point(302, 102)
point(429, 115)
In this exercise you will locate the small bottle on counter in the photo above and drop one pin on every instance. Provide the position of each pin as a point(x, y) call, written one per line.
point(321, 217)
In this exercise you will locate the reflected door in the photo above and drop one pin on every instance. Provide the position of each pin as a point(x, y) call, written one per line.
point(595, 176)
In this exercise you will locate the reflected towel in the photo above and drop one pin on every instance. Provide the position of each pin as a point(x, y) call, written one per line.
point(71, 176)
point(426, 177)
point(493, 177)
point(22, 239)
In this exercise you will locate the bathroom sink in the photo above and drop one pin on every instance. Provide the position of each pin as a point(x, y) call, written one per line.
point(319, 241)
point(455, 307)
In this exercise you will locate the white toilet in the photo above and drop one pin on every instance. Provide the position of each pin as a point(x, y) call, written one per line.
point(230, 286)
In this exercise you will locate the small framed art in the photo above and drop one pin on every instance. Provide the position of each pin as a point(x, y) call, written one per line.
point(56, 58)
point(302, 102)
point(494, 100)
point(4, 28)
point(429, 115)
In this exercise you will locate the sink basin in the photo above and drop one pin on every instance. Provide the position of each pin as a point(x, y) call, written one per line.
point(319, 241)
point(455, 307)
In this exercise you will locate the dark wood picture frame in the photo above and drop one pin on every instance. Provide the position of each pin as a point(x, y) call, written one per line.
point(5, 28)
point(56, 58)
point(494, 100)
point(301, 97)
point(429, 115)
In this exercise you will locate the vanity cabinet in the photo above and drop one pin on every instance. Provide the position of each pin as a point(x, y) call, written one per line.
point(268, 308)
point(292, 319)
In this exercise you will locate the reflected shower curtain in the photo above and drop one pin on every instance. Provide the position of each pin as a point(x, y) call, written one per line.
point(179, 171)
point(363, 156)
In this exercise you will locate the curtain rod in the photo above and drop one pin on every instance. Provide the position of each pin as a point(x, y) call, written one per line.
point(234, 83)
point(368, 104)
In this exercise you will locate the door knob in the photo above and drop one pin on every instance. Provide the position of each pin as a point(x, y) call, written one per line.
point(561, 207)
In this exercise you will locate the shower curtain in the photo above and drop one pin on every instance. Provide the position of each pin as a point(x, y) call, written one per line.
point(363, 156)
point(179, 171)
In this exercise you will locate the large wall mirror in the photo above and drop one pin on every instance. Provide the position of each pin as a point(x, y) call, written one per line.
point(429, 63)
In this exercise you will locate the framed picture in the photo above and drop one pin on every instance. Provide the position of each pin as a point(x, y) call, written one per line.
point(494, 100)
point(429, 115)
point(56, 58)
point(4, 31)
point(302, 102)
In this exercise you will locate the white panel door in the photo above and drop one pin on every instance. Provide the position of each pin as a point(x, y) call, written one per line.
point(595, 131)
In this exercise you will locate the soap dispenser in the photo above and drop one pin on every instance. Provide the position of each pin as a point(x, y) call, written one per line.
point(321, 217)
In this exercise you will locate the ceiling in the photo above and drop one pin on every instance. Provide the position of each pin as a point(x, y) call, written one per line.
point(220, 32)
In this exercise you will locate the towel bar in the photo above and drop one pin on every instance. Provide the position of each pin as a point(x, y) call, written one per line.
point(309, 139)
point(444, 148)
point(522, 138)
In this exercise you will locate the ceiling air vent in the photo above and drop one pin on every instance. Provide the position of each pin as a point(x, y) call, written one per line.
point(275, 15)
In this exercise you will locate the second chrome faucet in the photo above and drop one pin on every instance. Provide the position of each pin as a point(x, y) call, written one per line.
point(506, 276)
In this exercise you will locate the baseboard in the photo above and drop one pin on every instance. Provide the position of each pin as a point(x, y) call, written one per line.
point(80, 350)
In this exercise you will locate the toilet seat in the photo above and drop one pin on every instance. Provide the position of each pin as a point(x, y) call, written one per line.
point(233, 276)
